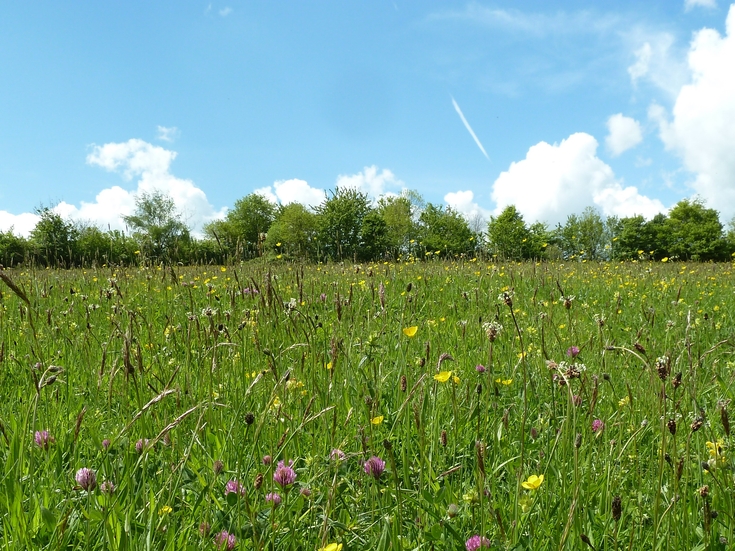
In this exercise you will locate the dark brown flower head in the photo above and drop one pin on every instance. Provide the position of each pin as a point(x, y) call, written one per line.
point(672, 426)
point(404, 382)
point(697, 424)
point(443, 438)
point(258, 482)
point(703, 491)
point(676, 381)
point(249, 418)
point(617, 508)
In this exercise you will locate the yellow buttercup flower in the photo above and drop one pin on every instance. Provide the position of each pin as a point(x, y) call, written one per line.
point(377, 420)
point(165, 510)
point(332, 547)
point(443, 377)
point(533, 482)
point(410, 331)
point(456, 380)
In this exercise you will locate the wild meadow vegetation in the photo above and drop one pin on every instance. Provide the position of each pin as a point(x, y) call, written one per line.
point(421, 405)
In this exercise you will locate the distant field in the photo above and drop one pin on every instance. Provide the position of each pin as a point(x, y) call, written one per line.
point(540, 406)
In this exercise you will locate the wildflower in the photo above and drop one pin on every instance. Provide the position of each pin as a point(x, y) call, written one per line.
point(715, 450)
point(106, 444)
point(597, 425)
point(43, 439)
point(443, 376)
point(165, 510)
point(332, 547)
point(533, 482)
point(204, 528)
point(573, 351)
point(377, 420)
point(305, 492)
point(234, 487)
point(107, 487)
point(480, 368)
point(267, 460)
point(624, 401)
point(492, 330)
point(337, 454)
point(456, 380)
point(284, 475)
point(410, 332)
point(225, 540)
point(374, 467)
point(273, 498)
point(476, 542)
point(86, 479)
point(218, 467)
point(141, 445)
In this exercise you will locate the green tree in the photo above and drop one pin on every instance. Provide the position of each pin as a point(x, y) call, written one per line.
point(158, 226)
point(54, 239)
point(445, 230)
point(695, 232)
point(510, 238)
point(583, 235)
point(400, 215)
point(244, 227)
point(340, 222)
point(294, 232)
point(13, 249)
point(635, 237)
point(373, 237)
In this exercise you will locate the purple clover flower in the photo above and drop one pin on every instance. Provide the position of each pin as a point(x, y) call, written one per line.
point(86, 479)
point(597, 425)
point(374, 467)
point(337, 454)
point(273, 498)
point(234, 487)
point(480, 368)
point(141, 445)
point(107, 487)
point(284, 475)
point(43, 439)
point(225, 540)
point(573, 351)
point(476, 542)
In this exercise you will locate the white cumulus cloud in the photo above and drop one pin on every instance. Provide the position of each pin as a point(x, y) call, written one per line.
point(293, 191)
point(19, 224)
point(701, 129)
point(371, 181)
point(464, 203)
point(624, 133)
point(134, 159)
point(554, 181)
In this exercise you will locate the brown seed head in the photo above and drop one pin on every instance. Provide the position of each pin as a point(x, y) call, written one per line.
point(617, 508)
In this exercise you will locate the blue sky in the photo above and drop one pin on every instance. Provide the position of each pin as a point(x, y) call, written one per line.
point(623, 106)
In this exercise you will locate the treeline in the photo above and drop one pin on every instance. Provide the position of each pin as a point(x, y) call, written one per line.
point(349, 226)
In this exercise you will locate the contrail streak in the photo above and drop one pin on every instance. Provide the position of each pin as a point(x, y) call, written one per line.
point(469, 128)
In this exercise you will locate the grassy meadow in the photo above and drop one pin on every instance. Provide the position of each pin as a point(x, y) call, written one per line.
point(381, 406)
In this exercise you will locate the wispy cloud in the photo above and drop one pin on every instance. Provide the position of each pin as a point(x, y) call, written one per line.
point(167, 133)
point(537, 24)
point(689, 4)
point(469, 128)
point(224, 12)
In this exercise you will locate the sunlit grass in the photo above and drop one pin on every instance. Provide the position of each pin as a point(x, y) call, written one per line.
point(540, 406)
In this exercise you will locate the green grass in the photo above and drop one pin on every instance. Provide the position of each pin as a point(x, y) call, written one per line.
point(180, 360)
